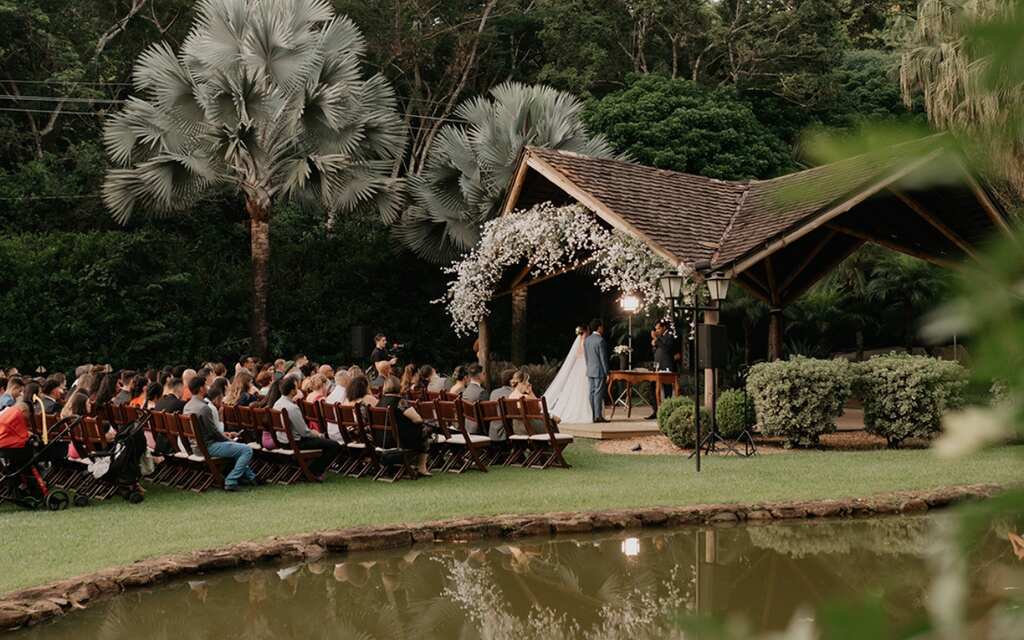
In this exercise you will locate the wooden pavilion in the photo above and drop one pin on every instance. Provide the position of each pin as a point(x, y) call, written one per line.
point(775, 238)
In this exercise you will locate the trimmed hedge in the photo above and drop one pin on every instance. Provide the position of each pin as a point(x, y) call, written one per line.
point(906, 396)
point(799, 399)
point(734, 412)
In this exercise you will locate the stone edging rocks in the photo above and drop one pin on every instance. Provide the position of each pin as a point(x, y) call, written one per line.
point(35, 604)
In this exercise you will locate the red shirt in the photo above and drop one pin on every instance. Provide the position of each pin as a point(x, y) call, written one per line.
point(14, 431)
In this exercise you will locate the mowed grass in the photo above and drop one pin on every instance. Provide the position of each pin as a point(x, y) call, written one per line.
point(39, 547)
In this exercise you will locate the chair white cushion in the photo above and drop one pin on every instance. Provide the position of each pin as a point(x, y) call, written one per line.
point(461, 439)
point(254, 445)
point(558, 436)
point(356, 445)
point(519, 437)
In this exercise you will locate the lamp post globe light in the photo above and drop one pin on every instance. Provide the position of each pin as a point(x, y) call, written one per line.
point(718, 286)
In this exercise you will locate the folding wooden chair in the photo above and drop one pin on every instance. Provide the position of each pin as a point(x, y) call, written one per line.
point(332, 424)
point(549, 444)
point(438, 448)
point(287, 453)
point(208, 470)
point(313, 416)
point(360, 441)
point(518, 443)
point(446, 412)
point(474, 447)
point(489, 412)
point(391, 457)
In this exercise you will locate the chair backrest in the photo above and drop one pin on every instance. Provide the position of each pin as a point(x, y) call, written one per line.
point(313, 416)
point(93, 435)
point(427, 410)
point(448, 417)
point(188, 433)
point(489, 411)
point(129, 414)
point(514, 411)
point(229, 416)
point(434, 395)
point(535, 411)
point(383, 427)
point(332, 415)
point(260, 422)
point(470, 411)
point(277, 423)
point(352, 422)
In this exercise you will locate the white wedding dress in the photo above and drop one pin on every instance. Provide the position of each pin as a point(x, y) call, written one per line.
point(568, 396)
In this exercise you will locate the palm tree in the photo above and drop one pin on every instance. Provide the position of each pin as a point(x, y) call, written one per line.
point(471, 164)
point(266, 97)
point(909, 284)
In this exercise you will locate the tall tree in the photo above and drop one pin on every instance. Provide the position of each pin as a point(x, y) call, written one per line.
point(266, 97)
point(471, 164)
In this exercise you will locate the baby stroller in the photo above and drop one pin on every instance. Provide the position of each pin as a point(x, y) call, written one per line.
point(23, 472)
point(113, 470)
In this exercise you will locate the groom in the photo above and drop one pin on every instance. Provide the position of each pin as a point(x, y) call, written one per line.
point(596, 351)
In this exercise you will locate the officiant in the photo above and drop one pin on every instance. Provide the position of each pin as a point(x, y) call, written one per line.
point(665, 357)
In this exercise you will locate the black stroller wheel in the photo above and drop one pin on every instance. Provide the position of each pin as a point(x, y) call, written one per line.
point(28, 502)
point(57, 501)
point(81, 500)
point(134, 497)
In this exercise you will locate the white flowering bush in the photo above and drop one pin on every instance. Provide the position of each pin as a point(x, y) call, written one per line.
point(550, 239)
point(799, 399)
point(906, 396)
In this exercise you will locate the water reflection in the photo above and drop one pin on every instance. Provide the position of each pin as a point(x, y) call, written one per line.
point(631, 585)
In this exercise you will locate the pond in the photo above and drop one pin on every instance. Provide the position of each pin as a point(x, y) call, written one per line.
point(630, 584)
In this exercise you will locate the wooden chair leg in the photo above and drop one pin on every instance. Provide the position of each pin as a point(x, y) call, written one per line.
point(477, 460)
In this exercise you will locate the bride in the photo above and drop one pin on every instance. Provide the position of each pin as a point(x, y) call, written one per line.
point(568, 396)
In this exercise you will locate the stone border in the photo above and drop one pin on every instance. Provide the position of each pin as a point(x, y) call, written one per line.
point(36, 604)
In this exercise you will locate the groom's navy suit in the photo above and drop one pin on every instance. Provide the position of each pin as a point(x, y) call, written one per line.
point(596, 351)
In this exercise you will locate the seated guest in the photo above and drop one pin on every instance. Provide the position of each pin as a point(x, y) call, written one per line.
point(104, 395)
point(359, 396)
point(408, 377)
point(383, 368)
point(460, 377)
point(53, 394)
point(422, 380)
point(137, 392)
point(154, 391)
point(206, 373)
point(473, 392)
point(124, 389)
point(497, 427)
point(413, 433)
point(240, 392)
point(354, 371)
point(521, 388)
point(15, 385)
point(214, 396)
point(219, 445)
point(186, 380)
point(436, 384)
point(340, 391)
point(304, 437)
point(327, 371)
point(314, 388)
point(77, 404)
point(219, 370)
point(263, 382)
point(171, 401)
point(16, 427)
point(220, 384)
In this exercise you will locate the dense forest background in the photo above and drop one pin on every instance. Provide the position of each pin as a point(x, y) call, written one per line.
point(726, 89)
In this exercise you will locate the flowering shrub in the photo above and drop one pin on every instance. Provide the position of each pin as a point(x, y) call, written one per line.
point(549, 239)
point(906, 396)
point(734, 412)
point(799, 398)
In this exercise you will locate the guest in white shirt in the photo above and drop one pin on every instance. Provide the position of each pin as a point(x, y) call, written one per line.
point(339, 393)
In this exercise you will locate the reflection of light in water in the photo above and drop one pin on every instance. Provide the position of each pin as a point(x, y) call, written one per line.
point(288, 571)
point(631, 547)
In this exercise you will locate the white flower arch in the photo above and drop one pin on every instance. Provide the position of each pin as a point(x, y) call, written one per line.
point(551, 239)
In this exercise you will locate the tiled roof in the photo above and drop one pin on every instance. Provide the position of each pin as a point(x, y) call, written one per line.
point(696, 218)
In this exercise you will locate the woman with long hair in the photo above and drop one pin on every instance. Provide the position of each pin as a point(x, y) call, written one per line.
point(137, 393)
point(154, 390)
point(105, 393)
point(407, 380)
point(240, 392)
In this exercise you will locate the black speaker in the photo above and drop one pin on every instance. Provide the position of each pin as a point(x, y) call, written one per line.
point(360, 342)
point(712, 346)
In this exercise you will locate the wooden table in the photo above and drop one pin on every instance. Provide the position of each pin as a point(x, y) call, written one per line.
point(637, 377)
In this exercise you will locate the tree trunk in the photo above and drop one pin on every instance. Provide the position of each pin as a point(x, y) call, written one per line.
point(710, 317)
point(259, 232)
point(774, 334)
point(519, 302)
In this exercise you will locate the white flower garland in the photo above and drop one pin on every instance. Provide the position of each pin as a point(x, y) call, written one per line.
point(552, 239)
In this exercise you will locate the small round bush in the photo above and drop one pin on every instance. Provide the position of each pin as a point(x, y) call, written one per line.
point(800, 398)
point(679, 426)
point(667, 406)
point(734, 412)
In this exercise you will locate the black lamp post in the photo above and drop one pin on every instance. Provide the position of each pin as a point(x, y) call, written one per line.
point(672, 284)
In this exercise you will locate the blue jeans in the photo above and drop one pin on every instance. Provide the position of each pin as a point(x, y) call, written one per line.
point(241, 455)
point(597, 397)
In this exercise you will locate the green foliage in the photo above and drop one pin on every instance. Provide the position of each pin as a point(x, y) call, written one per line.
point(800, 398)
point(679, 125)
point(669, 405)
point(734, 412)
point(679, 425)
point(541, 375)
point(906, 396)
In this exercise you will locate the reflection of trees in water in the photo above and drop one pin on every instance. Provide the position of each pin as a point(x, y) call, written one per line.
point(885, 536)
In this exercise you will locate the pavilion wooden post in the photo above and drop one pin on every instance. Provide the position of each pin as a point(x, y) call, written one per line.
point(483, 348)
point(519, 304)
point(710, 317)
point(775, 334)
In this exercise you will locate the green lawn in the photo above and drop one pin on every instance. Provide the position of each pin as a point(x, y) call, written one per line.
point(39, 547)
